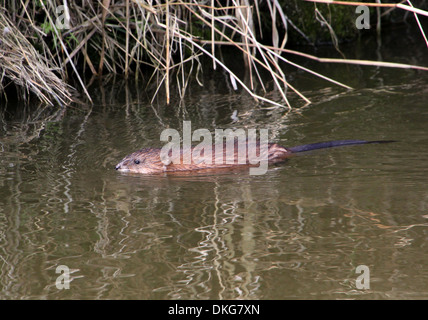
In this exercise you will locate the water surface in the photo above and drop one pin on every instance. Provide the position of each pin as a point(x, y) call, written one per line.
point(298, 231)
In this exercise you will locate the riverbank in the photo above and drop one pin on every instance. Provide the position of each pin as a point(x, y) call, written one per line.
point(46, 44)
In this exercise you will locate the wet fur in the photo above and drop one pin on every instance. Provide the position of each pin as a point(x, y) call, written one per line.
point(148, 160)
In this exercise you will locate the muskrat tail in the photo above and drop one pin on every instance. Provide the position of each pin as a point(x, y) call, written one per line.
point(332, 144)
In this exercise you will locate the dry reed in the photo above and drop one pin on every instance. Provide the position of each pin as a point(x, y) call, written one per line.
point(27, 68)
point(123, 36)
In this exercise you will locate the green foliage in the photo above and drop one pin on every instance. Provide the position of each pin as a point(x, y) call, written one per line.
point(304, 15)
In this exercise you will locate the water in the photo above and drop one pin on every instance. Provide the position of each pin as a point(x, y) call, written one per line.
point(299, 231)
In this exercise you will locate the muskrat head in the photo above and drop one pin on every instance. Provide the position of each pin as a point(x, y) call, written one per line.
point(142, 161)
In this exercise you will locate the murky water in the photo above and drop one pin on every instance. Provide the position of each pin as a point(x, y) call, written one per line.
point(299, 231)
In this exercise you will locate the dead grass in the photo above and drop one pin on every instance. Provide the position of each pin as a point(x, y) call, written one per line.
point(122, 37)
point(21, 64)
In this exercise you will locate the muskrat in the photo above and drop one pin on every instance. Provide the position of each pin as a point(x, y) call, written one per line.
point(148, 160)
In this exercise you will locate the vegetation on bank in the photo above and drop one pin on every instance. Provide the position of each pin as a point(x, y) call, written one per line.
point(45, 43)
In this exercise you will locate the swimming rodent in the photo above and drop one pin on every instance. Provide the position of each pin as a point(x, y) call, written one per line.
point(148, 160)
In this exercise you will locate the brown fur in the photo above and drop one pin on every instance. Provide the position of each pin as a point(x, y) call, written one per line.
point(148, 161)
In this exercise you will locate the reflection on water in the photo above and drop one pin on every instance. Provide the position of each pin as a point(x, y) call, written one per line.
point(299, 231)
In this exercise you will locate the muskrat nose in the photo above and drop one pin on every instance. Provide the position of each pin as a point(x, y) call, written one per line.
point(117, 167)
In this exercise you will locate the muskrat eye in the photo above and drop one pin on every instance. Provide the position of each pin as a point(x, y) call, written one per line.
point(136, 161)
